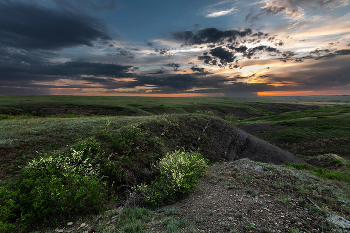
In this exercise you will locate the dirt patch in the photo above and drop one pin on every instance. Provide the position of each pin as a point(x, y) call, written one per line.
point(262, 127)
point(242, 196)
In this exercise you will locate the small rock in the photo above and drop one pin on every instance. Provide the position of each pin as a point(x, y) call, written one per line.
point(82, 225)
point(339, 221)
point(70, 224)
point(59, 230)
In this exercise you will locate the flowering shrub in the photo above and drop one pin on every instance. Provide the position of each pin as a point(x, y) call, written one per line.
point(179, 173)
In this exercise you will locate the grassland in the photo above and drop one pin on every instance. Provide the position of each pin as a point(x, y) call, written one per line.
point(310, 132)
point(134, 133)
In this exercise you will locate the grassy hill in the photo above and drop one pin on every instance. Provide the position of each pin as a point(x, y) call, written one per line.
point(113, 144)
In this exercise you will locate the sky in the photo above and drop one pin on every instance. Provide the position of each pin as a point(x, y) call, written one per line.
point(230, 48)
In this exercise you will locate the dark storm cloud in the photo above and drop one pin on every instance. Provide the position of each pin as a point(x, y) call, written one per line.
point(252, 51)
point(30, 26)
point(334, 54)
point(287, 55)
point(207, 59)
point(343, 52)
point(163, 52)
point(260, 35)
point(6, 90)
point(78, 68)
point(180, 82)
point(224, 55)
point(210, 35)
point(175, 66)
point(320, 54)
point(164, 84)
point(158, 72)
point(238, 77)
point(14, 74)
point(97, 80)
point(122, 52)
point(199, 71)
point(241, 49)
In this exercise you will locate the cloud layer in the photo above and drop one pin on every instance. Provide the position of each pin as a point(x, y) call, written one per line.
point(239, 49)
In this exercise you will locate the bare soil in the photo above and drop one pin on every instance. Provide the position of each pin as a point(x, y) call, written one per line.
point(242, 196)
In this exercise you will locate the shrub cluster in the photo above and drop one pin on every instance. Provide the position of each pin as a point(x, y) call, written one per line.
point(179, 173)
point(57, 187)
point(54, 186)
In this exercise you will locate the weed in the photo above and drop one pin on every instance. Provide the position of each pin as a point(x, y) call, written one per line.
point(239, 215)
point(250, 226)
point(184, 222)
point(199, 220)
point(316, 211)
point(132, 219)
point(173, 226)
point(172, 211)
point(252, 192)
point(276, 186)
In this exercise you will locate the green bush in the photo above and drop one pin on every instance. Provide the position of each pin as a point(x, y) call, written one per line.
point(7, 205)
point(56, 186)
point(123, 141)
point(179, 173)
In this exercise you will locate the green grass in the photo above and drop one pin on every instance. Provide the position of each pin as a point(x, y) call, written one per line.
point(322, 172)
point(309, 132)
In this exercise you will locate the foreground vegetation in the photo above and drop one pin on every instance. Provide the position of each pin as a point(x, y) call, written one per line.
point(64, 157)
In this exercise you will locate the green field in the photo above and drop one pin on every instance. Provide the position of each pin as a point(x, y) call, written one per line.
point(116, 141)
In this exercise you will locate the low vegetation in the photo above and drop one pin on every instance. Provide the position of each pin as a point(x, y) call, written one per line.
point(61, 160)
point(54, 188)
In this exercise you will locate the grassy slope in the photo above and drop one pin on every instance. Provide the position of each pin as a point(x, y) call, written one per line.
point(27, 134)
